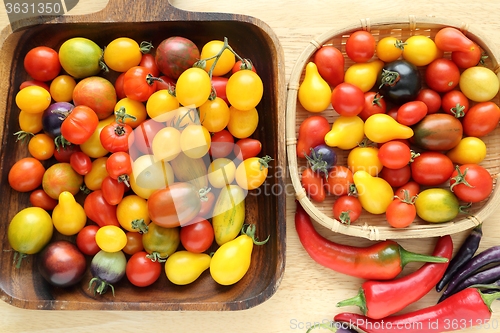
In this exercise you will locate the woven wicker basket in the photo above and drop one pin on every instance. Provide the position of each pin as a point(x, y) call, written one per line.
point(370, 226)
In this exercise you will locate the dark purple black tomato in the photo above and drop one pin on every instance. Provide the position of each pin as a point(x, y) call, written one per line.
point(399, 81)
point(52, 119)
point(61, 263)
point(322, 158)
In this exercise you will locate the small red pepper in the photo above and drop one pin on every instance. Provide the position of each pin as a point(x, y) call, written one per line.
point(467, 308)
point(379, 299)
point(380, 261)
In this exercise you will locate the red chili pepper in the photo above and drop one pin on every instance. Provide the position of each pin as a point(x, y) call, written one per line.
point(379, 299)
point(380, 261)
point(467, 308)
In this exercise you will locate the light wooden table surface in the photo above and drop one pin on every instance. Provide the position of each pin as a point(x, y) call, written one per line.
point(308, 292)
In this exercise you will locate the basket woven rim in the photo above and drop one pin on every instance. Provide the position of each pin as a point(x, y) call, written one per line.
point(365, 230)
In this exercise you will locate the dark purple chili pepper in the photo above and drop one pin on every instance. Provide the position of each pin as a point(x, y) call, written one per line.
point(322, 159)
point(484, 258)
point(464, 253)
point(486, 276)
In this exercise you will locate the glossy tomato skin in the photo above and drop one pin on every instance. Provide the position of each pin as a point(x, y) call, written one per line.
point(141, 271)
point(400, 214)
point(42, 63)
point(339, 180)
point(437, 205)
point(394, 154)
point(455, 103)
point(431, 168)
point(97, 93)
point(148, 61)
point(330, 63)
point(431, 98)
point(79, 125)
point(481, 119)
point(403, 89)
point(39, 198)
point(246, 148)
point(312, 132)
point(471, 182)
point(85, 240)
point(116, 137)
point(197, 237)
point(360, 46)
point(396, 177)
point(61, 177)
point(176, 54)
point(374, 103)
point(222, 144)
point(411, 112)
point(61, 263)
point(26, 174)
point(113, 190)
point(442, 75)
point(347, 99)
point(80, 162)
point(136, 84)
point(220, 83)
point(174, 205)
point(438, 131)
point(347, 209)
point(30, 230)
point(99, 210)
point(466, 59)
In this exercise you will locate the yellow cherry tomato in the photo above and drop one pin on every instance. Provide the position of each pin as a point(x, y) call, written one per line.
point(252, 172)
point(244, 89)
point(469, 150)
point(479, 84)
point(162, 106)
point(122, 53)
point(41, 146)
point(132, 108)
point(437, 205)
point(68, 215)
point(420, 50)
point(184, 267)
point(193, 87)
point(111, 238)
point(139, 190)
point(389, 48)
point(375, 194)
point(61, 88)
point(225, 62)
point(33, 99)
point(93, 179)
point(30, 122)
point(93, 146)
point(314, 92)
point(363, 74)
point(195, 141)
point(166, 144)
point(132, 213)
point(214, 114)
point(366, 159)
point(242, 124)
point(221, 172)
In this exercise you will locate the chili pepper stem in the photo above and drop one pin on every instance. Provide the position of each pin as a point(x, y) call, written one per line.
point(489, 298)
point(327, 326)
point(359, 300)
point(407, 256)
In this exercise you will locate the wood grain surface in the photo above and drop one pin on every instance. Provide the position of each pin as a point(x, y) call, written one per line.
point(308, 292)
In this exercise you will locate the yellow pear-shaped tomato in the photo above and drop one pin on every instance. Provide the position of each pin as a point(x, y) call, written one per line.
point(346, 132)
point(364, 75)
point(231, 260)
point(364, 158)
point(374, 193)
point(314, 92)
point(184, 267)
point(68, 216)
point(381, 128)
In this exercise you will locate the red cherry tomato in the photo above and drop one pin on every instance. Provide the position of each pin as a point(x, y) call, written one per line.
point(139, 83)
point(347, 99)
point(63, 154)
point(116, 137)
point(455, 103)
point(394, 154)
point(360, 46)
point(312, 132)
point(85, 240)
point(468, 58)
point(246, 148)
point(141, 271)
point(197, 237)
point(396, 177)
point(313, 184)
point(40, 198)
point(347, 209)
point(401, 212)
point(119, 166)
point(134, 243)
point(144, 134)
point(80, 162)
point(34, 83)
point(481, 119)
point(442, 75)
point(26, 174)
point(238, 66)
point(431, 168)
point(374, 103)
point(207, 205)
point(112, 190)
point(219, 83)
point(148, 61)
point(339, 180)
point(471, 183)
point(79, 125)
point(42, 63)
point(165, 82)
point(412, 187)
point(330, 63)
point(99, 211)
point(431, 98)
point(411, 112)
point(222, 144)
point(120, 93)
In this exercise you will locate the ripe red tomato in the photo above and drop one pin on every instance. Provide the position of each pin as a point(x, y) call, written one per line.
point(396, 177)
point(347, 99)
point(339, 180)
point(374, 103)
point(116, 137)
point(99, 211)
point(312, 132)
point(219, 83)
point(431, 98)
point(80, 162)
point(141, 271)
point(411, 112)
point(148, 61)
point(119, 166)
point(39, 198)
point(139, 83)
point(134, 243)
point(166, 83)
point(197, 237)
point(248, 65)
point(360, 46)
point(401, 212)
point(330, 63)
point(455, 103)
point(112, 190)
point(313, 184)
point(431, 168)
point(28, 83)
point(144, 134)
point(120, 94)
point(222, 144)
point(412, 187)
point(466, 59)
point(442, 75)
point(79, 125)
point(207, 205)
point(42, 63)
point(246, 148)
point(26, 174)
point(347, 209)
point(394, 154)
point(471, 183)
point(481, 119)
point(85, 240)
point(63, 154)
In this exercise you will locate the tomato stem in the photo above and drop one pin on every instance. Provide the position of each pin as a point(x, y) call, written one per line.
point(249, 230)
point(155, 256)
point(101, 286)
point(203, 193)
point(140, 225)
point(145, 47)
point(61, 142)
point(460, 178)
point(388, 78)
point(121, 115)
point(18, 258)
point(264, 162)
point(23, 136)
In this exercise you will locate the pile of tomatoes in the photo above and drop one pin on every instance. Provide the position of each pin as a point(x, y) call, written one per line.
point(410, 118)
point(147, 168)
